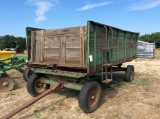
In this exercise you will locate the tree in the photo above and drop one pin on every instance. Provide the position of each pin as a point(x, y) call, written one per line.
point(9, 41)
point(154, 37)
point(145, 37)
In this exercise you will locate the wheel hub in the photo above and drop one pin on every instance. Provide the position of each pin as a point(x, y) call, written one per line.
point(93, 97)
point(39, 86)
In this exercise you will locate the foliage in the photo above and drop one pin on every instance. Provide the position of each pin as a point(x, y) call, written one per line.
point(154, 37)
point(10, 41)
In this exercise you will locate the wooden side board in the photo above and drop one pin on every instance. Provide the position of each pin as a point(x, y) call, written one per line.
point(61, 46)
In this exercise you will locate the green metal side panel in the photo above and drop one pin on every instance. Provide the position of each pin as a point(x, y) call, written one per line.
point(105, 44)
point(121, 45)
point(96, 39)
point(64, 74)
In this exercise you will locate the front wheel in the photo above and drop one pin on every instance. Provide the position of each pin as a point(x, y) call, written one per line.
point(90, 96)
point(27, 73)
point(34, 85)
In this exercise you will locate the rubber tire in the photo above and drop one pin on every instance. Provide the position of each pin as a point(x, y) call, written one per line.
point(84, 95)
point(30, 85)
point(129, 71)
point(26, 74)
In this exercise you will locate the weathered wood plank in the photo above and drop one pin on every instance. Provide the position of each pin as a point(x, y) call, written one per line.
point(82, 46)
point(61, 46)
point(73, 60)
point(71, 52)
point(38, 46)
point(33, 46)
point(71, 30)
point(51, 51)
point(51, 59)
point(42, 46)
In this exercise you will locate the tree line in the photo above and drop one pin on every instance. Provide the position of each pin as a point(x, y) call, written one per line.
point(10, 41)
point(154, 37)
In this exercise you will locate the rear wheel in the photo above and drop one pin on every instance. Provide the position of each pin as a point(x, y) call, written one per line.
point(35, 86)
point(90, 96)
point(27, 73)
point(129, 76)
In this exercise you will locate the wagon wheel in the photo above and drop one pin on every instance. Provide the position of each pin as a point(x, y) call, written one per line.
point(90, 96)
point(35, 86)
point(27, 73)
point(129, 76)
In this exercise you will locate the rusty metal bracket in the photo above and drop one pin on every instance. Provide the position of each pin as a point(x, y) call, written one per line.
point(30, 102)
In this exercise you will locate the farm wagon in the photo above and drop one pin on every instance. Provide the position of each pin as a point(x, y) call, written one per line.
point(74, 57)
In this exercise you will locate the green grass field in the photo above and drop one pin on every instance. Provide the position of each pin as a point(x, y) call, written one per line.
point(157, 55)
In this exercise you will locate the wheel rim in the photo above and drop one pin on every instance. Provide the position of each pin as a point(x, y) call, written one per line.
point(93, 97)
point(39, 87)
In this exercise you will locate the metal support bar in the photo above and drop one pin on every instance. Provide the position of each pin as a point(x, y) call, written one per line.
point(66, 85)
point(17, 67)
point(111, 52)
point(106, 46)
point(61, 73)
point(106, 50)
point(32, 101)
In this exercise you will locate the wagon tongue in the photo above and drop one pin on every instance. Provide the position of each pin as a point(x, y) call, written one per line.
point(6, 84)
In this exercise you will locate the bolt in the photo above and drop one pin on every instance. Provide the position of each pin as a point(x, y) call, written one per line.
point(92, 97)
point(5, 84)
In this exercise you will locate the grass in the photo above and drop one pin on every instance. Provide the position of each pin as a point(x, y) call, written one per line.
point(52, 108)
point(41, 117)
point(138, 60)
point(36, 110)
point(157, 55)
point(60, 103)
point(57, 96)
point(158, 105)
point(10, 93)
point(77, 108)
point(141, 82)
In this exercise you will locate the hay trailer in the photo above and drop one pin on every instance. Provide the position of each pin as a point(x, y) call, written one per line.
point(73, 58)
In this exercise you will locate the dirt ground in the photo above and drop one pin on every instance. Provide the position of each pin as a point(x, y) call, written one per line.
point(139, 99)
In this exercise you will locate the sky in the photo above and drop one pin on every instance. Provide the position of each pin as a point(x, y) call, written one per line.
point(134, 15)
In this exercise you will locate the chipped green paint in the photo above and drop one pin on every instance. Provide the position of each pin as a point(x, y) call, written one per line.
point(72, 75)
point(66, 85)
